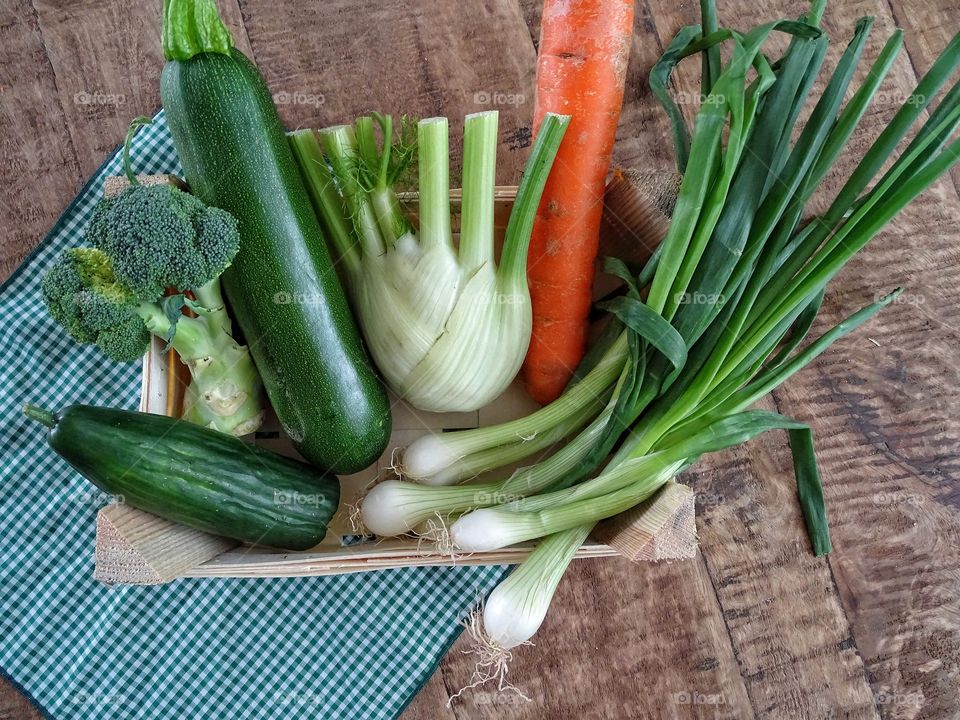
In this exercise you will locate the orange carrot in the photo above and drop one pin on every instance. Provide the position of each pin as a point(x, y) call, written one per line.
point(584, 48)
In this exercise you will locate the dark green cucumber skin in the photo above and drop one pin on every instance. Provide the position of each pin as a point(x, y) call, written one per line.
point(198, 477)
point(282, 287)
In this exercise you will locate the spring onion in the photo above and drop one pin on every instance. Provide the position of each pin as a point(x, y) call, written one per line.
point(515, 609)
point(446, 325)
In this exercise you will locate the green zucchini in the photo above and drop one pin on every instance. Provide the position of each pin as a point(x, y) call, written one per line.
point(201, 478)
point(283, 287)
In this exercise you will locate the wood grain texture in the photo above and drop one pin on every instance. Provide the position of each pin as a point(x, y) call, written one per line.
point(136, 547)
point(663, 529)
point(415, 58)
point(754, 627)
point(625, 642)
point(13, 705)
point(38, 163)
point(107, 60)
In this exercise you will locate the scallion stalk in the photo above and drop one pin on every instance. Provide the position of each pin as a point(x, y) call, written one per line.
point(516, 608)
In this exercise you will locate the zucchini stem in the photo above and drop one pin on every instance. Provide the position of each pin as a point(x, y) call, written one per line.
point(191, 27)
point(44, 417)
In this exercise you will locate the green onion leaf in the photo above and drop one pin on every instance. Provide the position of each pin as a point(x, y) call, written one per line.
point(810, 490)
point(650, 326)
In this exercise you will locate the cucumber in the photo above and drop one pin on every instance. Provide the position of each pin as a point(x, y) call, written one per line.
point(283, 287)
point(201, 478)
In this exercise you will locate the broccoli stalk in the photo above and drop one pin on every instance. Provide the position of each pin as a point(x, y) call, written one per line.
point(114, 295)
point(225, 389)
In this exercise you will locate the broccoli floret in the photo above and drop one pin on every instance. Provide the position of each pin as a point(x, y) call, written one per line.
point(160, 237)
point(83, 295)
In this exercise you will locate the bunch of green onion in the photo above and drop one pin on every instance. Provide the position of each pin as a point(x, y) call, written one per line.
point(671, 380)
point(446, 326)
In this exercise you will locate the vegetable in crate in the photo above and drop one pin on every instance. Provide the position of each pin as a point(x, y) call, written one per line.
point(581, 68)
point(681, 376)
point(194, 476)
point(147, 239)
point(446, 326)
point(283, 288)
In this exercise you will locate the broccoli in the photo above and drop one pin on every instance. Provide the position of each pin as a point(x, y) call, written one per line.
point(114, 295)
point(83, 295)
point(159, 236)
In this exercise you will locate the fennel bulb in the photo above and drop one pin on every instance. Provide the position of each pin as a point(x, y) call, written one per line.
point(447, 327)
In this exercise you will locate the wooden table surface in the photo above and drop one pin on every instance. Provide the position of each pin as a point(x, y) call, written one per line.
point(754, 626)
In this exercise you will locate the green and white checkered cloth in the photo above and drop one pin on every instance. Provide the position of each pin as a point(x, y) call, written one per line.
point(355, 646)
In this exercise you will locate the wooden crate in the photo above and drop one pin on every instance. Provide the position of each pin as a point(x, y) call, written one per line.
point(136, 547)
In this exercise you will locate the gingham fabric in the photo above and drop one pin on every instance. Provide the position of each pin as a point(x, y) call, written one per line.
point(356, 646)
